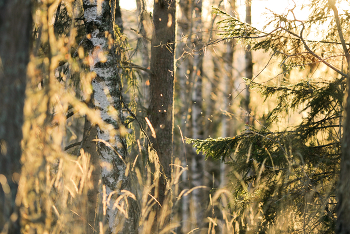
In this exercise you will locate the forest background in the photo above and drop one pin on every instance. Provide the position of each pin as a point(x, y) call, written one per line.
point(174, 117)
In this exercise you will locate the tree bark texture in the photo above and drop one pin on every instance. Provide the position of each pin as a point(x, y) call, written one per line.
point(101, 18)
point(162, 85)
point(15, 28)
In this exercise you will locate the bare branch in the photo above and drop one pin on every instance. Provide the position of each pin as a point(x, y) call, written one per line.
point(72, 145)
point(340, 32)
point(313, 53)
point(132, 65)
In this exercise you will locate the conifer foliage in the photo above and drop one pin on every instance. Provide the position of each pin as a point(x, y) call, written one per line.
point(293, 172)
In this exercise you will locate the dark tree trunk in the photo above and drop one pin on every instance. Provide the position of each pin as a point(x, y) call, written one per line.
point(343, 206)
point(197, 162)
point(248, 64)
point(15, 28)
point(162, 87)
point(90, 146)
point(183, 74)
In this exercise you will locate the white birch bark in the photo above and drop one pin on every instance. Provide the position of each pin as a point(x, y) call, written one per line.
point(99, 19)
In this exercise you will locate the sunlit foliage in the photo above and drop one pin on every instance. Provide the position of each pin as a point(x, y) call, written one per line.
point(294, 169)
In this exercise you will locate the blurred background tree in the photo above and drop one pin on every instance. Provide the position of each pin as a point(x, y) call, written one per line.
point(14, 57)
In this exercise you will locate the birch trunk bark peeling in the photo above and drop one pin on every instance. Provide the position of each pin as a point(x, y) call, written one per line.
point(100, 20)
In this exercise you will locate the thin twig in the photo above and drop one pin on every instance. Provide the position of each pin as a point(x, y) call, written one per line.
point(72, 145)
point(132, 65)
point(340, 32)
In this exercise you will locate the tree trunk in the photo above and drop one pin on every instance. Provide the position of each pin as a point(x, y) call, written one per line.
point(228, 81)
point(15, 28)
point(343, 206)
point(100, 19)
point(183, 76)
point(197, 164)
point(143, 44)
point(91, 147)
point(162, 89)
point(227, 91)
point(248, 65)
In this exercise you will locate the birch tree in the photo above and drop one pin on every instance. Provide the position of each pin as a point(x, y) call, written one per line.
point(15, 28)
point(103, 23)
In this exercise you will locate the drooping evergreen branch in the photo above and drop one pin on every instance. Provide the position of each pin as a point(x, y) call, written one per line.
point(245, 26)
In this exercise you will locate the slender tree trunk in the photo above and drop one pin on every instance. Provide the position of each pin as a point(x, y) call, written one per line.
point(162, 90)
point(227, 85)
point(90, 146)
point(248, 65)
point(197, 164)
point(211, 113)
point(101, 17)
point(143, 43)
point(228, 81)
point(15, 28)
point(183, 76)
point(343, 206)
